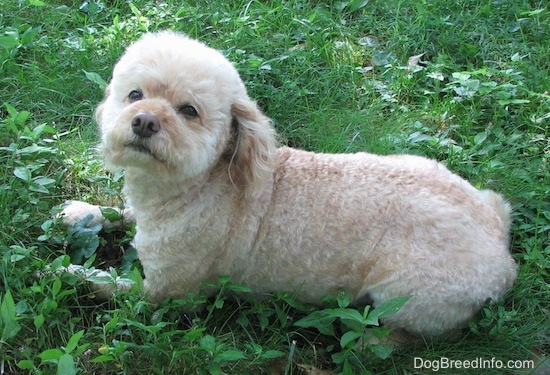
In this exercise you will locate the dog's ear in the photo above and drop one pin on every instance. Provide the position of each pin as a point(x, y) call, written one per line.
point(254, 147)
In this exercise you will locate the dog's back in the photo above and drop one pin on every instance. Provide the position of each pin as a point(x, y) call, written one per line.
point(383, 227)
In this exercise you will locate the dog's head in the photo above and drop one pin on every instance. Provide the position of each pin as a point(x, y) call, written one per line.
point(176, 108)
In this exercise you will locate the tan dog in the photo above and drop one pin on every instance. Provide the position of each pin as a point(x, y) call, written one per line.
point(213, 195)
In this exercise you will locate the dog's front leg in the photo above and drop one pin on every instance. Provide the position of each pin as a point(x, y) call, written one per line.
point(102, 283)
point(76, 211)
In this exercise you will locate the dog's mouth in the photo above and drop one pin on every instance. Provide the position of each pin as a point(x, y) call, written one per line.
point(143, 149)
point(140, 148)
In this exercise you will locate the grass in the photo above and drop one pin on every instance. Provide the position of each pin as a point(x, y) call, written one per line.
point(334, 77)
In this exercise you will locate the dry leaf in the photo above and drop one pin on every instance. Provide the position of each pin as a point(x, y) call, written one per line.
point(277, 366)
point(414, 60)
point(312, 370)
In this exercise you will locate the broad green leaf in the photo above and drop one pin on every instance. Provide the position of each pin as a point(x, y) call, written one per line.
point(382, 58)
point(51, 355)
point(103, 358)
point(22, 117)
point(100, 279)
point(80, 350)
point(34, 149)
point(230, 355)
point(214, 369)
point(56, 287)
point(23, 173)
point(218, 303)
point(270, 354)
point(480, 138)
point(16, 257)
point(42, 128)
point(8, 322)
point(135, 10)
point(39, 321)
point(83, 239)
point(59, 262)
point(11, 109)
point(38, 188)
point(223, 279)
point(238, 288)
point(7, 308)
point(347, 314)
point(357, 4)
point(320, 320)
point(208, 343)
point(461, 76)
point(194, 334)
point(386, 309)
point(137, 279)
point(349, 337)
point(44, 181)
point(25, 364)
point(111, 214)
point(381, 351)
point(111, 325)
point(66, 365)
point(347, 370)
point(340, 357)
point(8, 42)
point(96, 78)
point(343, 299)
point(127, 266)
point(73, 341)
point(65, 260)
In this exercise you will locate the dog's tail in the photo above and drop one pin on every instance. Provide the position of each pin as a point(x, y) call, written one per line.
point(501, 207)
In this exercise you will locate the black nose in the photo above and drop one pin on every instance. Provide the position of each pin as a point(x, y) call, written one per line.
point(145, 125)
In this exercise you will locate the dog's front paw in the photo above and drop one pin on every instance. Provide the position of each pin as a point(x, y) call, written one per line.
point(102, 283)
point(76, 211)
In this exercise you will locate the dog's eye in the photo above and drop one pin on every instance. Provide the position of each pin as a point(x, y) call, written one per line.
point(135, 95)
point(188, 111)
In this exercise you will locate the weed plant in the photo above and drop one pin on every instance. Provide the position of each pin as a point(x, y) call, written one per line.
point(465, 82)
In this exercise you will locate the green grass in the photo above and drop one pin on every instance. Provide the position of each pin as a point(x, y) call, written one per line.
point(334, 77)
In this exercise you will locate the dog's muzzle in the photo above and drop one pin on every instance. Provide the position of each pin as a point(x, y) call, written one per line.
point(145, 125)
